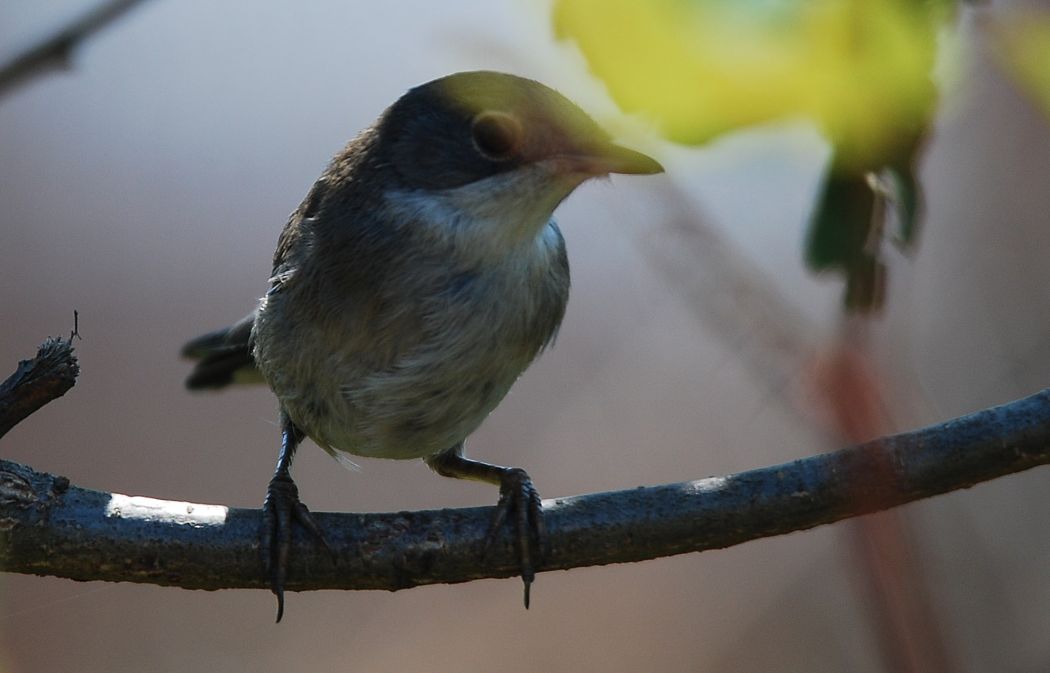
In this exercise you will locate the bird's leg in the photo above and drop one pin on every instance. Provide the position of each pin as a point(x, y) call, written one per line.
point(517, 499)
point(281, 507)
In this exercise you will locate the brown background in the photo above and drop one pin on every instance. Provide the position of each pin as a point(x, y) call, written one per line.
point(146, 189)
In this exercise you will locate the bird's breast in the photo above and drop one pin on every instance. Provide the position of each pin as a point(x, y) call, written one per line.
point(410, 374)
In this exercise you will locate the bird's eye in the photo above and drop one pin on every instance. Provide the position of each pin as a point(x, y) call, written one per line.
point(497, 135)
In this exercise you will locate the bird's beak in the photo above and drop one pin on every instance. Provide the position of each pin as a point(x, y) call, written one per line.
point(608, 158)
point(615, 158)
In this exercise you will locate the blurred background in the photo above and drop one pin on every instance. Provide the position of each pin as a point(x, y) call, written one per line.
point(146, 187)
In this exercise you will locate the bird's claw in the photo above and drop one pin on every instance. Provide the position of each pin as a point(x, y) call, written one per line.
point(518, 497)
point(281, 507)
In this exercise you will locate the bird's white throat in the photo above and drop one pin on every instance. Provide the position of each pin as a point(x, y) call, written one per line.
point(490, 219)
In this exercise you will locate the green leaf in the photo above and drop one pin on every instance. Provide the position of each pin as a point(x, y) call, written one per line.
point(841, 223)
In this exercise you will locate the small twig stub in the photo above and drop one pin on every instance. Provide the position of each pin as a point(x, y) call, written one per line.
point(38, 381)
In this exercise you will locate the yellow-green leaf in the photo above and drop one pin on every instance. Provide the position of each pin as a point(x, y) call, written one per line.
point(860, 69)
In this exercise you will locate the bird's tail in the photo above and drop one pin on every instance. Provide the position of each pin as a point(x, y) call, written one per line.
point(223, 357)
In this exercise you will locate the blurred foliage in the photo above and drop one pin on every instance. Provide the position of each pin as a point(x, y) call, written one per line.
point(859, 69)
point(1023, 42)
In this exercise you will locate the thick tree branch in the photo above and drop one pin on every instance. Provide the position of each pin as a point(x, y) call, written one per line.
point(55, 51)
point(49, 527)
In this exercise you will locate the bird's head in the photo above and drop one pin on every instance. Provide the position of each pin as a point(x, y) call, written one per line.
point(494, 151)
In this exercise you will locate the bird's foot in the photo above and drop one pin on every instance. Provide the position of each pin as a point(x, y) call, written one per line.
point(520, 504)
point(281, 507)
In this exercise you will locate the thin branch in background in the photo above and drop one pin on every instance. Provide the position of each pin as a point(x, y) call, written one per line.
point(55, 52)
point(899, 600)
point(731, 297)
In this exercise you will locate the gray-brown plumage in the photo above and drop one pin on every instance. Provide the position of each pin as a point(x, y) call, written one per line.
point(417, 280)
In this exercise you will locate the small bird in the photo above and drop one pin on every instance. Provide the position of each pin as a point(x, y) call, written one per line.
point(420, 276)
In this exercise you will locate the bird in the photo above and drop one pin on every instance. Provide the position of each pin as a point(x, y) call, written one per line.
point(420, 276)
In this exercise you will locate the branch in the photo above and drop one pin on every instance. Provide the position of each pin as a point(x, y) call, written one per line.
point(53, 528)
point(36, 382)
point(55, 52)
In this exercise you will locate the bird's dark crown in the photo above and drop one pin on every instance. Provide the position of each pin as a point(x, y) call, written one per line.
point(471, 125)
